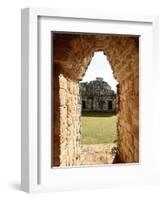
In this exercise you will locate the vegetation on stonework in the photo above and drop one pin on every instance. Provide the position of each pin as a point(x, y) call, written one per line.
point(98, 128)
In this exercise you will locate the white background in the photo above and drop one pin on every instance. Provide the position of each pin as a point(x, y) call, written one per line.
point(10, 98)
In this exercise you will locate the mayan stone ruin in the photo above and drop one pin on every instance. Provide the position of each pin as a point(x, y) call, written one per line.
point(97, 95)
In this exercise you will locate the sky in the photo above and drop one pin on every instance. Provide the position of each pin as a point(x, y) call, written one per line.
point(100, 67)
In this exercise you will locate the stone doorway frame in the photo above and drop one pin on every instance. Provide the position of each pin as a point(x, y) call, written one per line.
point(37, 175)
point(72, 54)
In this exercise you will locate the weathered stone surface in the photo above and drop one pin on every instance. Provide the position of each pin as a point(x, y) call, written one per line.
point(97, 154)
point(97, 95)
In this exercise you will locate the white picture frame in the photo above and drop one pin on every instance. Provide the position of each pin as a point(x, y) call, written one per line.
point(36, 171)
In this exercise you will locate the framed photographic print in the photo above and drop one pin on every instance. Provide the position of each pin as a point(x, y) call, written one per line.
point(87, 101)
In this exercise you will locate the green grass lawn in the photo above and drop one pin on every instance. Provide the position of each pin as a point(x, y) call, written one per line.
point(98, 128)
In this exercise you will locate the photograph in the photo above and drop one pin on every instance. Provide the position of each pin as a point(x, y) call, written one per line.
point(95, 99)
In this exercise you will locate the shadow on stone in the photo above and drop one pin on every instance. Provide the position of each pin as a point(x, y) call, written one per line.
point(117, 159)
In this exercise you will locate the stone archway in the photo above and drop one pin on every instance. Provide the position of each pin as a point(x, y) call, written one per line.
point(72, 55)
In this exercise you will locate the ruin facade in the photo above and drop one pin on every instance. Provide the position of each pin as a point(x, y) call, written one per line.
point(97, 95)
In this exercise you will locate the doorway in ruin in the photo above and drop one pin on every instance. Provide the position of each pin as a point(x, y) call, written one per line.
point(98, 121)
point(71, 56)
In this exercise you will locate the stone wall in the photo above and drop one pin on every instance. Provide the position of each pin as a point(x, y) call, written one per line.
point(72, 55)
point(128, 126)
point(99, 104)
point(66, 147)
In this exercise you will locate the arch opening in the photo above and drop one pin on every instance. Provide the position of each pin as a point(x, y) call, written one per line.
point(98, 121)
